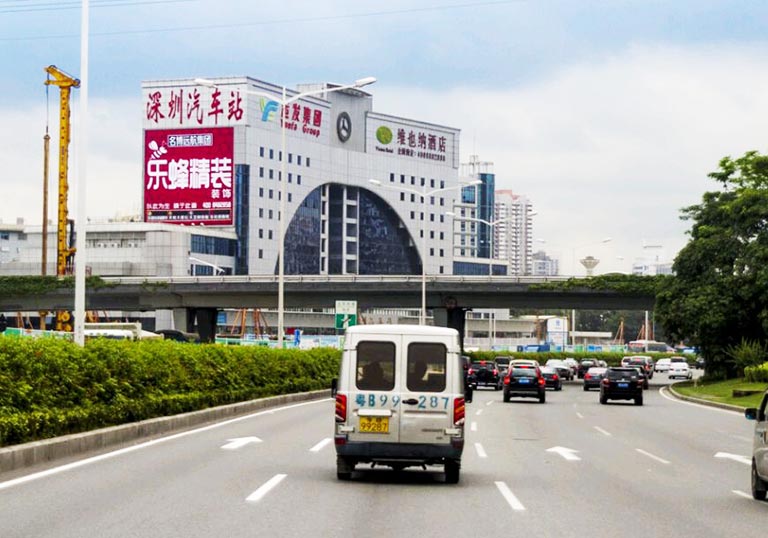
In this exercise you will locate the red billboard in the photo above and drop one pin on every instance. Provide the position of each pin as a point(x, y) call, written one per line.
point(189, 176)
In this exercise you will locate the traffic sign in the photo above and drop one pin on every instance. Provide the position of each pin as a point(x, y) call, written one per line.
point(346, 307)
point(345, 320)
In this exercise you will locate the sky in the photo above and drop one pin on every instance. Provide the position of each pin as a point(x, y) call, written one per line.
point(606, 114)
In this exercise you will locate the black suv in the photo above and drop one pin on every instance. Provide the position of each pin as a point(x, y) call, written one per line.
point(585, 365)
point(621, 384)
point(525, 382)
point(645, 362)
point(485, 374)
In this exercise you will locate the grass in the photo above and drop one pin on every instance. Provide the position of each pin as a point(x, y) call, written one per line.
point(722, 391)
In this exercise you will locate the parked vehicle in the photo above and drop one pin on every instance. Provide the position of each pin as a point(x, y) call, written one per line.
point(679, 370)
point(759, 479)
point(552, 378)
point(399, 399)
point(525, 382)
point(593, 377)
point(621, 384)
point(486, 374)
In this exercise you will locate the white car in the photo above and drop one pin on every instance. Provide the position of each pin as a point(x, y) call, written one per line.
point(662, 365)
point(680, 369)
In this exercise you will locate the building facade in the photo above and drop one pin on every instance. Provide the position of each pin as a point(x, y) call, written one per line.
point(513, 240)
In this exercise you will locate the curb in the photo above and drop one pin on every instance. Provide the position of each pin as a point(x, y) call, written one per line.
point(700, 401)
point(49, 450)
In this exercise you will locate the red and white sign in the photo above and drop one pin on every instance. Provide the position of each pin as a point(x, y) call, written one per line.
point(194, 106)
point(189, 176)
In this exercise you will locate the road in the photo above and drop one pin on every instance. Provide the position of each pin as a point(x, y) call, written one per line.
point(570, 467)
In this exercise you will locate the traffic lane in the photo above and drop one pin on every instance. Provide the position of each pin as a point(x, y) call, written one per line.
point(610, 473)
point(187, 483)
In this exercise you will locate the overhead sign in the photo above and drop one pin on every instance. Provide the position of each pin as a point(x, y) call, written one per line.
point(189, 176)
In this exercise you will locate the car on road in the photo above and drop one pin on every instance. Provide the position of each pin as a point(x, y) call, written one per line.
point(586, 364)
point(645, 362)
point(552, 378)
point(524, 362)
point(563, 370)
point(759, 479)
point(526, 383)
point(621, 384)
point(641, 374)
point(679, 370)
point(502, 361)
point(574, 364)
point(485, 374)
point(662, 365)
point(593, 377)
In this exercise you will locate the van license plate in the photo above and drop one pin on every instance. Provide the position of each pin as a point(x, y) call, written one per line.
point(374, 424)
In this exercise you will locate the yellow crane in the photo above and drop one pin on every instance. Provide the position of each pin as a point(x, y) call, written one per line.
point(64, 251)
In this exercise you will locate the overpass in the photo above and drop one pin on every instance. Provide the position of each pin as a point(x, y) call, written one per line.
point(402, 291)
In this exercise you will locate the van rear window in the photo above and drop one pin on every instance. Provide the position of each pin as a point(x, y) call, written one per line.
point(375, 366)
point(426, 367)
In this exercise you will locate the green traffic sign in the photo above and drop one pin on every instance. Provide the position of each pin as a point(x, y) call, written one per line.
point(345, 320)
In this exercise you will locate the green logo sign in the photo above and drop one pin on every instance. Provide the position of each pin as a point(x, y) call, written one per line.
point(345, 320)
point(384, 135)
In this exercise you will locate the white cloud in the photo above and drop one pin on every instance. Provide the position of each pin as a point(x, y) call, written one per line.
point(614, 147)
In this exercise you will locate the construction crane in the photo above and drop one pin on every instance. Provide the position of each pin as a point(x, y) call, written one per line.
point(64, 251)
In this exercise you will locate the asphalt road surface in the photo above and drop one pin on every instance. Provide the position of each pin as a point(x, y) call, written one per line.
point(570, 467)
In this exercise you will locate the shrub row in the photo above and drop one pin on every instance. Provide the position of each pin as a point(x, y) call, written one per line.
point(51, 387)
point(756, 374)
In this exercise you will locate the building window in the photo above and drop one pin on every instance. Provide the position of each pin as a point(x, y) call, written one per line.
point(431, 217)
point(402, 179)
point(261, 192)
point(270, 214)
point(413, 197)
point(279, 155)
point(261, 212)
point(442, 253)
point(290, 158)
point(271, 193)
point(423, 182)
point(261, 151)
point(413, 180)
point(442, 219)
point(298, 160)
point(269, 234)
point(271, 154)
point(442, 202)
point(261, 233)
point(261, 171)
point(431, 251)
point(261, 254)
point(432, 183)
point(391, 177)
point(271, 174)
point(442, 184)
point(402, 197)
point(289, 197)
point(442, 236)
point(442, 270)
point(290, 177)
point(413, 215)
point(307, 162)
point(432, 234)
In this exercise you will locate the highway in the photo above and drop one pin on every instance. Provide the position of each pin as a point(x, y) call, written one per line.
point(570, 467)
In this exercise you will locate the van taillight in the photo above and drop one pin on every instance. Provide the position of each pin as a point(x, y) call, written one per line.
point(341, 408)
point(458, 411)
point(470, 371)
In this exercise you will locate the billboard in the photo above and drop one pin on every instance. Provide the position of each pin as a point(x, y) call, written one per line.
point(412, 140)
point(189, 176)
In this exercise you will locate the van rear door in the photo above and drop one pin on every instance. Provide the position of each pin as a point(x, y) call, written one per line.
point(427, 382)
point(374, 396)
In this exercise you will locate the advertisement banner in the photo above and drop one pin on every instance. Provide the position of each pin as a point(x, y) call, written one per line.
point(189, 176)
point(419, 142)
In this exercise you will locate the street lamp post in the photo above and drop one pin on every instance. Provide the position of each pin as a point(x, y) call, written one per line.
point(424, 195)
point(283, 102)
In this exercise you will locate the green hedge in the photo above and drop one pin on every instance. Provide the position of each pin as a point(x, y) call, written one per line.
point(756, 374)
point(51, 387)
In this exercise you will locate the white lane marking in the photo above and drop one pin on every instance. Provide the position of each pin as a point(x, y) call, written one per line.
point(735, 457)
point(742, 494)
point(513, 501)
point(266, 488)
point(321, 445)
point(120, 452)
point(579, 415)
point(567, 453)
point(473, 426)
point(489, 402)
point(607, 434)
point(663, 391)
point(479, 412)
point(240, 442)
point(653, 457)
point(480, 450)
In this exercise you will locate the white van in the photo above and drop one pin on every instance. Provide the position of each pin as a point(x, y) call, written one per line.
point(400, 399)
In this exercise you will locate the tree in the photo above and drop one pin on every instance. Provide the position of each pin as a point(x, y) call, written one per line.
point(719, 296)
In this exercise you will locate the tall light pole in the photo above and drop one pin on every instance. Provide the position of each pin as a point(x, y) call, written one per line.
point(424, 195)
point(283, 102)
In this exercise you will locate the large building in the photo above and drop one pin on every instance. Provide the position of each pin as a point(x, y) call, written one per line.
point(213, 157)
point(513, 239)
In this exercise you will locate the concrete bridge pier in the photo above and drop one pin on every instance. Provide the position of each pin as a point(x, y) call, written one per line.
point(451, 316)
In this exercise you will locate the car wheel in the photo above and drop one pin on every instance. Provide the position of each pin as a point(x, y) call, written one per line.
point(506, 397)
point(586, 388)
point(559, 387)
point(452, 469)
point(603, 399)
point(344, 468)
point(542, 397)
point(758, 485)
point(639, 400)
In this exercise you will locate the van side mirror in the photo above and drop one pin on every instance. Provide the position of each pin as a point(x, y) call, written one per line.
point(750, 413)
point(334, 386)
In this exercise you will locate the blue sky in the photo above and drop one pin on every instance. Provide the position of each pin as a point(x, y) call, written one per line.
point(606, 114)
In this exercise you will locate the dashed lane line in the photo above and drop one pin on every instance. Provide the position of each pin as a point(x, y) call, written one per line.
point(321, 445)
point(480, 450)
point(268, 486)
point(513, 501)
point(652, 456)
point(606, 433)
point(473, 426)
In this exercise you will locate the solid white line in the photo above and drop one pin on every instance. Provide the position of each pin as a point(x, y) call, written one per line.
point(479, 412)
point(120, 452)
point(662, 391)
point(742, 494)
point(321, 445)
point(579, 415)
point(644, 453)
point(480, 450)
point(266, 488)
point(489, 402)
point(509, 496)
point(607, 434)
point(473, 426)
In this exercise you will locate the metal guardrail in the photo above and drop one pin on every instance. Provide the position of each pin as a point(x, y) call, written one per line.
point(327, 279)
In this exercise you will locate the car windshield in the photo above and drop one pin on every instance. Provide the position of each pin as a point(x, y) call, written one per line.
point(524, 372)
point(478, 365)
point(637, 362)
point(503, 361)
point(596, 371)
point(621, 373)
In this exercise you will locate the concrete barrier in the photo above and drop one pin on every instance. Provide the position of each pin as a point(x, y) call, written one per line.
point(58, 448)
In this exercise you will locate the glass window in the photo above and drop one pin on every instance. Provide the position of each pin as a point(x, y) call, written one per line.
point(261, 192)
point(271, 154)
point(413, 180)
point(298, 160)
point(375, 368)
point(261, 171)
point(271, 174)
point(290, 157)
point(261, 151)
point(271, 193)
point(307, 162)
point(261, 253)
point(298, 179)
point(391, 177)
point(269, 234)
point(261, 212)
point(261, 233)
point(402, 197)
point(426, 367)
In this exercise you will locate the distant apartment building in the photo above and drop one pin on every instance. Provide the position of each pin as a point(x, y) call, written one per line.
point(513, 235)
point(543, 265)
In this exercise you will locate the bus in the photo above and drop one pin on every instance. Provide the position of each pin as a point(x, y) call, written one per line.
point(648, 345)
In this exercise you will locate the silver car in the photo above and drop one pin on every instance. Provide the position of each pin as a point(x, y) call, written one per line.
point(759, 480)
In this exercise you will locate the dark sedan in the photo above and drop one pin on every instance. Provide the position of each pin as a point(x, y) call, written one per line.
point(485, 374)
point(585, 365)
point(525, 382)
point(621, 384)
point(552, 378)
point(593, 377)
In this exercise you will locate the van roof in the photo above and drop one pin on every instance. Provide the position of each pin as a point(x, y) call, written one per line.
point(416, 330)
